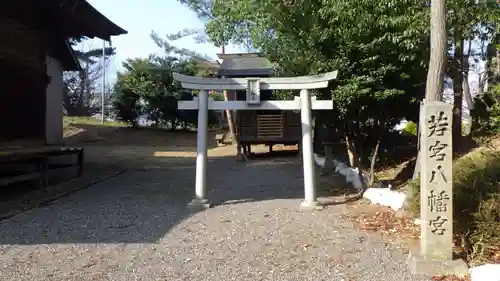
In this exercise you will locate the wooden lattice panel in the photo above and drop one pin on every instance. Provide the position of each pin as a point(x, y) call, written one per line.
point(270, 126)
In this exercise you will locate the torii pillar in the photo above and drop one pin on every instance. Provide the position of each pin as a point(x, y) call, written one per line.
point(305, 103)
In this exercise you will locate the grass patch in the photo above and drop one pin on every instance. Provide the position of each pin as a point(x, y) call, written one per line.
point(476, 210)
point(85, 120)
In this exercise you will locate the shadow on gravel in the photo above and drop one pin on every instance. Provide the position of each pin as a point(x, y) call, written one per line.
point(143, 205)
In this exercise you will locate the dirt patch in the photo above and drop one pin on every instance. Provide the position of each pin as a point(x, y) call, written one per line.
point(369, 217)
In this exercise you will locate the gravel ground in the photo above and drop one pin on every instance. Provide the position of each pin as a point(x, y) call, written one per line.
point(137, 227)
point(16, 199)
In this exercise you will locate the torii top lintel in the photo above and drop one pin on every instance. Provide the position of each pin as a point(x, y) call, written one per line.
point(273, 83)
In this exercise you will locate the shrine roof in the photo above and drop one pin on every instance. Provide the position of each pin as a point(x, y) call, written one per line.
point(79, 18)
point(63, 51)
point(244, 64)
point(211, 64)
point(239, 55)
point(69, 18)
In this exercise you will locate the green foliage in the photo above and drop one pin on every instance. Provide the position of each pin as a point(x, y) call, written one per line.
point(125, 103)
point(155, 92)
point(411, 128)
point(381, 59)
point(414, 201)
point(71, 121)
point(476, 196)
point(381, 51)
point(283, 95)
point(486, 113)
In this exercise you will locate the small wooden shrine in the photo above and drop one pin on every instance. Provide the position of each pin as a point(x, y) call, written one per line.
point(253, 86)
point(268, 127)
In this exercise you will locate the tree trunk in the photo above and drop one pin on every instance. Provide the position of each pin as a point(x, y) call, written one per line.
point(374, 160)
point(483, 77)
point(229, 113)
point(230, 120)
point(351, 151)
point(493, 62)
point(469, 101)
point(457, 90)
point(416, 171)
point(466, 89)
point(437, 62)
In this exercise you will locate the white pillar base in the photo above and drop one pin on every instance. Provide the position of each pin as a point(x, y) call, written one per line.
point(199, 204)
point(308, 205)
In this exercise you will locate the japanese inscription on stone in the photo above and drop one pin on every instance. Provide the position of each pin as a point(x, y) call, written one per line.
point(438, 201)
point(438, 128)
point(437, 225)
point(436, 179)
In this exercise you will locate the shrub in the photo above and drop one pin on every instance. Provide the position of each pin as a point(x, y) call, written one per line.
point(476, 210)
point(486, 113)
point(411, 128)
point(126, 106)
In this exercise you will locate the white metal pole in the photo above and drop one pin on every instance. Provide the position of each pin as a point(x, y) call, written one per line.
point(307, 151)
point(103, 91)
point(201, 151)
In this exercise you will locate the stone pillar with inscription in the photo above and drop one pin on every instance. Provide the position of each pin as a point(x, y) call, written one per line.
point(435, 257)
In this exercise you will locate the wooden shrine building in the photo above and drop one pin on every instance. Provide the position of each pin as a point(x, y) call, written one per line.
point(267, 127)
point(34, 52)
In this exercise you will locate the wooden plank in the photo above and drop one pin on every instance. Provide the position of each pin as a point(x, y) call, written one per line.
point(61, 166)
point(273, 134)
point(268, 125)
point(24, 154)
point(20, 178)
point(270, 129)
point(270, 116)
point(270, 121)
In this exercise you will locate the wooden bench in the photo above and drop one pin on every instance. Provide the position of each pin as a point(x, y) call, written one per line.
point(40, 158)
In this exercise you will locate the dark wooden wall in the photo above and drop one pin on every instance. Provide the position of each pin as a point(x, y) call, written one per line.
point(22, 103)
point(23, 77)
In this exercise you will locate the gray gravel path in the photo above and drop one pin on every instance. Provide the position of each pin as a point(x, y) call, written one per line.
point(137, 227)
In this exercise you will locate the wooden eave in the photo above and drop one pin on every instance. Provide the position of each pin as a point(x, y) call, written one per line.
point(77, 18)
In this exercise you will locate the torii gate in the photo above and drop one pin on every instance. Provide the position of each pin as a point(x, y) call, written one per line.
point(305, 103)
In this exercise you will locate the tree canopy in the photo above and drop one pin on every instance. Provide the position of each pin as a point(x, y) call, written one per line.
point(146, 86)
point(378, 47)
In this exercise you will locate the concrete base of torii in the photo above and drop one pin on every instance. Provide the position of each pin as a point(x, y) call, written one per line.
point(315, 205)
point(418, 264)
point(199, 204)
